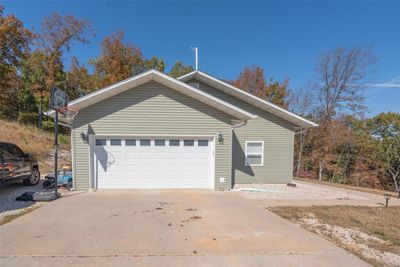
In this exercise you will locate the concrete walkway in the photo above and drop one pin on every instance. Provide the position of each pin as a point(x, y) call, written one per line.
point(169, 227)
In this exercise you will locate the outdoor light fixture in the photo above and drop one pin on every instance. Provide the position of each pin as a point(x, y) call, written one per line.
point(387, 197)
point(220, 137)
point(84, 137)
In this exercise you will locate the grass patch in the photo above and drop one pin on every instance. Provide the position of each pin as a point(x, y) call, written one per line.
point(11, 217)
point(380, 222)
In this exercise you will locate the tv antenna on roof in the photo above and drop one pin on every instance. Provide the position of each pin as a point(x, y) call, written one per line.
point(196, 52)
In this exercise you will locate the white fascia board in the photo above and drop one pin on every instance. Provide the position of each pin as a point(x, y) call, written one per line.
point(187, 76)
point(106, 92)
point(245, 96)
point(164, 79)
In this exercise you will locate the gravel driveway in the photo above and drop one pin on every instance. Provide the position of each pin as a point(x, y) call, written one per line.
point(301, 191)
point(8, 193)
point(309, 194)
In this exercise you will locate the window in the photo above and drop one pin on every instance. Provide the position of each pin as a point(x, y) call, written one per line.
point(203, 143)
point(188, 142)
point(159, 142)
point(16, 151)
point(144, 142)
point(101, 142)
point(115, 142)
point(4, 154)
point(254, 153)
point(173, 142)
point(130, 142)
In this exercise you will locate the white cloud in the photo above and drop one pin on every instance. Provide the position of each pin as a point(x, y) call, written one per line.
point(384, 85)
point(393, 83)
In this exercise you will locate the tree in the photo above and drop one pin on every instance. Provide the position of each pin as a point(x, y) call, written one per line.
point(39, 75)
point(180, 69)
point(385, 129)
point(252, 80)
point(14, 48)
point(118, 60)
point(342, 77)
point(154, 63)
point(79, 81)
point(45, 68)
point(393, 161)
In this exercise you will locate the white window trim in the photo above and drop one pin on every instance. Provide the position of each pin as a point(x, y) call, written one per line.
point(255, 154)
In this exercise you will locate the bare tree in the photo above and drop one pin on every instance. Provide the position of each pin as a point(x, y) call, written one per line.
point(300, 102)
point(342, 78)
point(393, 161)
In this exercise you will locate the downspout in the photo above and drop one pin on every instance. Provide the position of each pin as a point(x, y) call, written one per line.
point(236, 126)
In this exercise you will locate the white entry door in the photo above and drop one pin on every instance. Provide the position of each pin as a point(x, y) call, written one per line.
point(145, 162)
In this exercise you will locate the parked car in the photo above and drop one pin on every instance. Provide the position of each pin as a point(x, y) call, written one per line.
point(64, 178)
point(15, 165)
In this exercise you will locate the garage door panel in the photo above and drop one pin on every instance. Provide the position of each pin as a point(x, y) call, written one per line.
point(131, 155)
point(160, 155)
point(162, 164)
point(145, 156)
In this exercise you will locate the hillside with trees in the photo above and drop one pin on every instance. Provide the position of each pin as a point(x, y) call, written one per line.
point(347, 147)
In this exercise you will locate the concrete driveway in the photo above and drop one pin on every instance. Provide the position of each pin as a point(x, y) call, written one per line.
point(169, 227)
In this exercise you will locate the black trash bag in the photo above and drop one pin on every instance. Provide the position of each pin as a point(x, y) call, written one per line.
point(27, 196)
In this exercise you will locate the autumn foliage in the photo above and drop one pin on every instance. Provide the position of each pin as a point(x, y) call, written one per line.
point(346, 148)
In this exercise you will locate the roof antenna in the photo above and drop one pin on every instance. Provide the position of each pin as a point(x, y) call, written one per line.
point(196, 51)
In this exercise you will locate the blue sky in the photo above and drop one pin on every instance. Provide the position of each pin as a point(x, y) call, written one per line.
point(285, 38)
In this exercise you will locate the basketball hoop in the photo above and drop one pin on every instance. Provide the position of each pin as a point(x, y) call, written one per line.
point(68, 113)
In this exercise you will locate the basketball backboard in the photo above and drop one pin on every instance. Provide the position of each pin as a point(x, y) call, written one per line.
point(59, 99)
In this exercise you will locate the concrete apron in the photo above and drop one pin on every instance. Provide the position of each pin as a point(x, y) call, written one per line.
point(199, 227)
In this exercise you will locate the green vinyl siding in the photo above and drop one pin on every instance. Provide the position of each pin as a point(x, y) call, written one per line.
point(151, 109)
point(278, 137)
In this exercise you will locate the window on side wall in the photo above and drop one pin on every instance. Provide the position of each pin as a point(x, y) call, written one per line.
point(254, 153)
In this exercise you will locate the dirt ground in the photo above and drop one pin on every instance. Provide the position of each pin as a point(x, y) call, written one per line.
point(371, 233)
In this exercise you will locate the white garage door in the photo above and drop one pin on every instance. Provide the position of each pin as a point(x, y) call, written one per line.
point(153, 162)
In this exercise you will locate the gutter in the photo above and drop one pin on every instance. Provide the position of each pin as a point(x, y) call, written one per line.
point(240, 124)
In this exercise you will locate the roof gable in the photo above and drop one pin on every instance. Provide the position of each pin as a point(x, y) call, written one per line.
point(154, 75)
point(249, 98)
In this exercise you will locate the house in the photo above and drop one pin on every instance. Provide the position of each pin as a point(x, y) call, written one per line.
point(154, 131)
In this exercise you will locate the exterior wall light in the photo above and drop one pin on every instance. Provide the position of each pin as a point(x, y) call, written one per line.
point(220, 137)
point(84, 137)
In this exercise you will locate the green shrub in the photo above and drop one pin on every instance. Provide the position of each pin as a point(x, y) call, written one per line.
point(63, 139)
point(30, 118)
point(48, 125)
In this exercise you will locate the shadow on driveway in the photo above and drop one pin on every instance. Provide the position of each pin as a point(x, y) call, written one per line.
point(10, 192)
